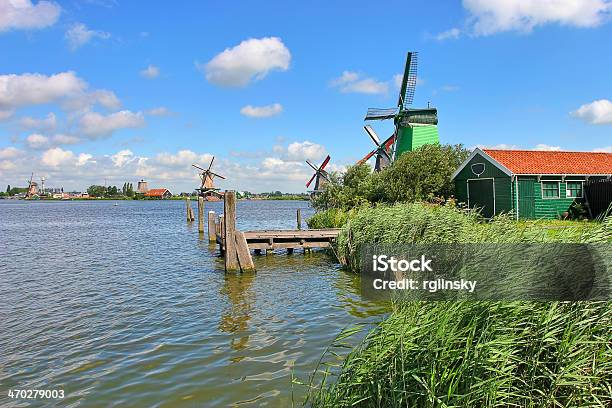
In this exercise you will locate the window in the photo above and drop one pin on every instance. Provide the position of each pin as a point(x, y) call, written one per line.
point(574, 189)
point(550, 189)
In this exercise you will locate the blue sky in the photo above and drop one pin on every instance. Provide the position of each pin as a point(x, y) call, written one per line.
point(117, 91)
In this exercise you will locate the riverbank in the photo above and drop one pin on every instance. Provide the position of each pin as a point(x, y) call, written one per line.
point(430, 354)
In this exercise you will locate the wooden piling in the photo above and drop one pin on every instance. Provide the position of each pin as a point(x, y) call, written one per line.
point(212, 227)
point(201, 215)
point(229, 210)
point(299, 219)
point(243, 253)
point(189, 210)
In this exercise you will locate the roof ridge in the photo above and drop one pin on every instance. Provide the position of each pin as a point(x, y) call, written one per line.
point(541, 151)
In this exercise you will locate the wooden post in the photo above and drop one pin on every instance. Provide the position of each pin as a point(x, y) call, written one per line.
point(243, 253)
point(299, 219)
point(229, 209)
point(200, 215)
point(212, 227)
point(189, 210)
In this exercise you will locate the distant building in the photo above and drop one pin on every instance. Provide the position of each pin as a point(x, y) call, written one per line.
point(143, 187)
point(159, 193)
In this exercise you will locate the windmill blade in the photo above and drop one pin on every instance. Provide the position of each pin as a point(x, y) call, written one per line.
point(197, 167)
point(384, 152)
point(211, 162)
point(324, 175)
point(406, 95)
point(367, 157)
point(311, 180)
point(217, 175)
point(311, 165)
point(370, 131)
point(324, 162)
point(380, 113)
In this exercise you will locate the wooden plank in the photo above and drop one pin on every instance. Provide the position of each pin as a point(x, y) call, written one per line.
point(201, 215)
point(212, 227)
point(243, 253)
point(229, 210)
point(284, 245)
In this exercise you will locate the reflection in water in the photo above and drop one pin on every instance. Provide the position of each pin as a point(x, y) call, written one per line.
point(235, 317)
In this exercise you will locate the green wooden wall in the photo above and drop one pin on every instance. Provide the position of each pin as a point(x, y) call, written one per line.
point(413, 137)
point(503, 185)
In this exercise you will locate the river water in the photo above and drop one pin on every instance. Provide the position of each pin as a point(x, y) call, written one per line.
point(125, 304)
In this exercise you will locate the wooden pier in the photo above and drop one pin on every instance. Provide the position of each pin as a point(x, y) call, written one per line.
point(236, 246)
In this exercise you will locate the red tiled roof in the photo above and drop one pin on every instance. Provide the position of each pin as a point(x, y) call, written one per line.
point(156, 192)
point(552, 162)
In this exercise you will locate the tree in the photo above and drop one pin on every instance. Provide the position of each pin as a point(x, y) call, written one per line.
point(421, 173)
point(8, 189)
point(96, 191)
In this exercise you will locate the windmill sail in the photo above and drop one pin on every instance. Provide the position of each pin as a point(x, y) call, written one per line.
point(406, 96)
point(381, 113)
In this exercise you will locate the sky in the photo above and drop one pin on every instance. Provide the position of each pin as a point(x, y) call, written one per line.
point(114, 91)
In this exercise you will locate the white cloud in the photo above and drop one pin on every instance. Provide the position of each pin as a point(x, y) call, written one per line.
point(183, 158)
point(36, 89)
point(492, 16)
point(56, 156)
point(607, 149)
point(78, 35)
point(108, 99)
point(159, 111)
point(121, 158)
point(6, 165)
point(65, 139)
point(65, 88)
point(47, 123)
point(10, 152)
point(150, 72)
point(451, 34)
point(37, 141)
point(598, 112)
point(83, 159)
point(353, 82)
point(96, 125)
point(251, 60)
point(545, 147)
point(305, 150)
point(501, 146)
point(5, 114)
point(262, 111)
point(24, 15)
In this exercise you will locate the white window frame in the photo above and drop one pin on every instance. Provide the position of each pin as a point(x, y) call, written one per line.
point(558, 189)
point(581, 188)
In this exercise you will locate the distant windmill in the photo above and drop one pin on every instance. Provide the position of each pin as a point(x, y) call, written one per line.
point(382, 150)
point(207, 187)
point(320, 175)
point(32, 187)
point(413, 127)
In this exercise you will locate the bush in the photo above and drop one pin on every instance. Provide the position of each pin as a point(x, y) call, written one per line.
point(418, 175)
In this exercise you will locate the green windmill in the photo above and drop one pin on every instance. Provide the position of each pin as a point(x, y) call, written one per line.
point(414, 127)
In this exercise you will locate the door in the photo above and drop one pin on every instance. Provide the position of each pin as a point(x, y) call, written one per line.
point(526, 198)
point(481, 194)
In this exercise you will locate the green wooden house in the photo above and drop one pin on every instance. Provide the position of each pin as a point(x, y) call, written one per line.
point(527, 183)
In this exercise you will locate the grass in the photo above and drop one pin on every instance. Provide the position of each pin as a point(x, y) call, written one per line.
point(467, 353)
point(479, 354)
